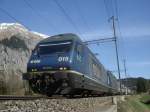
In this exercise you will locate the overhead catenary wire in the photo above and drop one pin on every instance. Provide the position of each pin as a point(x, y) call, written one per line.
point(38, 14)
point(113, 18)
point(16, 20)
point(120, 34)
point(67, 16)
point(119, 29)
point(107, 10)
point(112, 7)
point(97, 41)
point(112, 11)
point(116, 8)
point(13, 18)
point(82, 15)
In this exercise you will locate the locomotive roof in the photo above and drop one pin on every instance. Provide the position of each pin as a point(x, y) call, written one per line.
point(61, 37)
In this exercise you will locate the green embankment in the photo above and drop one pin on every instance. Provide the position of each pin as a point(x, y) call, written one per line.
point(145, 99)
point(134, 104)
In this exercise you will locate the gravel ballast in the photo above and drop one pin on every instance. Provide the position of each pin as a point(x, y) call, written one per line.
point(52, 105)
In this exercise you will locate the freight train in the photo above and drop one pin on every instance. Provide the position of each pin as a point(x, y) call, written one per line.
point(64, 65)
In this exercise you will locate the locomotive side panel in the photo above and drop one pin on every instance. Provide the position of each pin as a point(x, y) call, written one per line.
point(96, 69)
point(113, 82)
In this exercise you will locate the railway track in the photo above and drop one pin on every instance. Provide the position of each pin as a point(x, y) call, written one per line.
point(13, 97)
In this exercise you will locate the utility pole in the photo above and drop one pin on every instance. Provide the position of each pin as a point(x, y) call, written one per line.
point(124, 64)
point(116, 48)
point(125, 71)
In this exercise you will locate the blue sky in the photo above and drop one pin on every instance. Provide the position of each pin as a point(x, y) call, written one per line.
point(90, 21)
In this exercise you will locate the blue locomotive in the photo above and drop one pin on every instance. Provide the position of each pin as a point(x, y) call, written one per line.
point(63, 64)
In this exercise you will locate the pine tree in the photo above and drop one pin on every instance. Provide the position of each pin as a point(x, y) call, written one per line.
point(142, 85)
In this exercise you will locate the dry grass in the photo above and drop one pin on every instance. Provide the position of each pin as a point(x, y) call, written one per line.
point(133, 104)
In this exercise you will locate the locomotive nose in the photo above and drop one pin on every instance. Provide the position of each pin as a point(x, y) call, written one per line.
point(51, 56)
point(49, 63)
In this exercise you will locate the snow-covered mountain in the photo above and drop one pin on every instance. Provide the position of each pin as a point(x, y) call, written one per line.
point(5, 26)
point(16, 44)
point(14, 28)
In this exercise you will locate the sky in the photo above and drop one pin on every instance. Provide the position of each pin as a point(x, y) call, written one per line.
point(89, 19)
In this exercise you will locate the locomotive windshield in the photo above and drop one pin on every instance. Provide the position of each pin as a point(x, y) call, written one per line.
point(50, 48)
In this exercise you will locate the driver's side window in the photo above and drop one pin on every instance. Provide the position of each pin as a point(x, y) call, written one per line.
point(79, 50)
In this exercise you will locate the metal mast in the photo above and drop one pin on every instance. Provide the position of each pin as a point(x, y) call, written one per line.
point(116, 48)
point(125, 71)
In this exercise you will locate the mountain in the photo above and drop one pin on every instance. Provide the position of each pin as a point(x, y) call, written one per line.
point(16, 45)
point(136, 83)
point(130, 83)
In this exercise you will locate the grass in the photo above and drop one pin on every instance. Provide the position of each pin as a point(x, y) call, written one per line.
point(148, 106)
point(133, 104)
point(145, 98)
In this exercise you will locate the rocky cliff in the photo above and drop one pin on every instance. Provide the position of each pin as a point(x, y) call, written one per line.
point(16, 44)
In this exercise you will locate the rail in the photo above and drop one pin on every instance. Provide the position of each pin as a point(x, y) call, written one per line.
point(14, 97)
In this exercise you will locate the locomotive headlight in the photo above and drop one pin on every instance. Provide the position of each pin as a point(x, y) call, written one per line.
point(65, 68)
point(31, 61)
point(34, 70)
point(61, 68)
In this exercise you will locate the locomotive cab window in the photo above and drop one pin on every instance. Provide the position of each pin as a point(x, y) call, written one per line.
point(79, 51)
point(35, 50)
point(59, 47)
